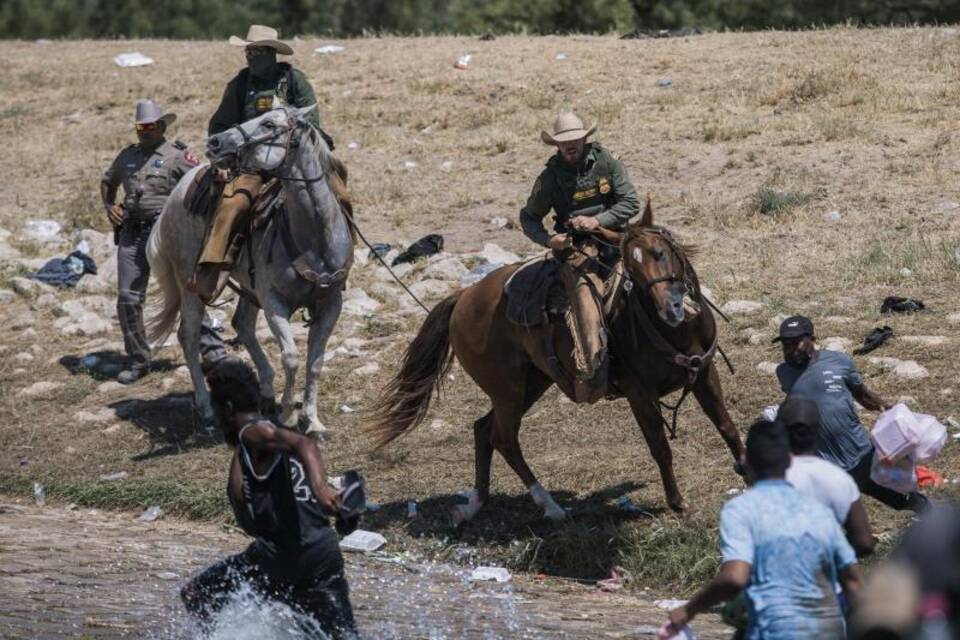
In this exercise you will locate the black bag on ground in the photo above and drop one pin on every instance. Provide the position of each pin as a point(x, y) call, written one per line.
point(425, 246)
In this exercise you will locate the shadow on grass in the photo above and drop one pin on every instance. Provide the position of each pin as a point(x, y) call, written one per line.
point(106, 365)
point(585, 546)
point(170, 423)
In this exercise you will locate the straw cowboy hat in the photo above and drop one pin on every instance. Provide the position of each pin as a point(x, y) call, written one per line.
point(149, 111)
point(567, 127)
point(261, 36)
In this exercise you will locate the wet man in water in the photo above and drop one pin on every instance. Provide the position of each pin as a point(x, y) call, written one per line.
point(277, 488)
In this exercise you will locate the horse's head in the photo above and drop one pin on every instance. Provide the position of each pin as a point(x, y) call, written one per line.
point(259, 144)
point(657, 264)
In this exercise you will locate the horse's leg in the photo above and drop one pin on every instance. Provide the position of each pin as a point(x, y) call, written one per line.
point(709, 394)
point(648, 416)
point(324, 318)
point(508, 412)
point(245, 324)
point(483, 456)
point(278, 317)
point(191, 317)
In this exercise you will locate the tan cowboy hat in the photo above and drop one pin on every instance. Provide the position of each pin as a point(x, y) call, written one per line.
point(261, 36)
point(568, 126)
point(149, 111)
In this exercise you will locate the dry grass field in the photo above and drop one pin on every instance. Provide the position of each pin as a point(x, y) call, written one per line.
point(758, 138)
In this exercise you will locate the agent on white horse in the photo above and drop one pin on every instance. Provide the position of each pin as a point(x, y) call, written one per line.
point(300, 259)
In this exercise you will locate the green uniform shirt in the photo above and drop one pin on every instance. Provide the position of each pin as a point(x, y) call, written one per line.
point(248, 96)
point(148, 176)
point(599, 184)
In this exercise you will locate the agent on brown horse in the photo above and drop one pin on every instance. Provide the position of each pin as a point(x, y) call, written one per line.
point(657, 347)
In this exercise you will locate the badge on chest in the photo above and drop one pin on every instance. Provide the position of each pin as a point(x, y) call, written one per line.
point(264, 103)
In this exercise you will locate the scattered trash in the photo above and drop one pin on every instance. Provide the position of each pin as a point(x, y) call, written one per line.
point(353, 145)
point(624, 503)
point(874, 339)
point(479, 272)
point(664, 82)
point(167, 575)
point(41, 231)
point(446, 165)
point(669, 604)
point(39, 494)
point(896, 304)
point(561, 56)
point(135, 59)
point(832, 216)
point(379, 249)
point(499, 222)
point(363, 541)
point(110, 477)
point(412, 509)
point(483, 574)
point(425, 246)
point(733, 492)
point(488, 37)
point(72, 118)
point(899, 432)
point(683, 633)
point(953, 422)
point(618, 579)
point(329, 48)
point(65, 272)
point(906, 273)
point(770, 413)
point(410, 164)
point(463, 61)
point(927, 478)
point(151, 514)
point(901, 476)
point(346, 409)
point(24, 462)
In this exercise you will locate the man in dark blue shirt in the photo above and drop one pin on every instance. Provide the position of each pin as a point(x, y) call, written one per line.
point(831, 379)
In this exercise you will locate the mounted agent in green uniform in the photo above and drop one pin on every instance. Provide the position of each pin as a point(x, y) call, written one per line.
point(249, 94)
point(587, 188)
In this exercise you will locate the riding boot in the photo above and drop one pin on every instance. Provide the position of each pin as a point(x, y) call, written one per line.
point(213, 267)
point(585, 321)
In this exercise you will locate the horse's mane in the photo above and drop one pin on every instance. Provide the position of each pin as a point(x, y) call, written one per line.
point(635, 231)
point(326, 156)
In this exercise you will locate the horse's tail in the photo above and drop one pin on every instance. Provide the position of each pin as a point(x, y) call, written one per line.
point(405, 400)
point(161, 321)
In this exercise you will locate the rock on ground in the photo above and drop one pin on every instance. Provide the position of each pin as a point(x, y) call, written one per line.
point(7, 296)
point(27, 287)
point(447, 269)
point(367, 370)
point(356, 302)
point(769, 368)
point(21, 321)
point(86, 324)
point(910, 370)
point(430, 289)
point(741, 307)
point(494, 253)
point(777, 320)
point(837, 343)
point(103, 416)
point(39, 388)
point(754, 336)
point(953, 318)
point(930, 341)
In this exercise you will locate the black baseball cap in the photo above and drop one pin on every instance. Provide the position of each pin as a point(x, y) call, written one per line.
point(795, 327)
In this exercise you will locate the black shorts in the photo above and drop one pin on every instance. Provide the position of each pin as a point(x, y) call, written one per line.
point(310, 581)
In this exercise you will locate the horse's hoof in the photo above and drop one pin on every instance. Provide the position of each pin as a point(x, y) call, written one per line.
point(557, 514)
point(739, 469)
point(679, 507)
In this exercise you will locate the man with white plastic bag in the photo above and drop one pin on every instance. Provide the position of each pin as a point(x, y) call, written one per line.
point(904, 438)
point(831, 379)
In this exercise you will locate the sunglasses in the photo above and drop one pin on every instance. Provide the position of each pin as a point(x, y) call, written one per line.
point(147, 126)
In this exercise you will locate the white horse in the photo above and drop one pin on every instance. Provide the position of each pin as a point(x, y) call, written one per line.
point(300, 260)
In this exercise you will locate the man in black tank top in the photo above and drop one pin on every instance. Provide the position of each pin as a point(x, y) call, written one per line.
point(278, 490)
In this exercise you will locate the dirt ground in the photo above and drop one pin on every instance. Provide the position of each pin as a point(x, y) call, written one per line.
point(755, 142)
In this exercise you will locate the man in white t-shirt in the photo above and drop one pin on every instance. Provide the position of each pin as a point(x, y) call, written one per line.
point(824, 481)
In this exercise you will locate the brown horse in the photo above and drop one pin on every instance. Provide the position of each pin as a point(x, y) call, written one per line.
point(656, 348)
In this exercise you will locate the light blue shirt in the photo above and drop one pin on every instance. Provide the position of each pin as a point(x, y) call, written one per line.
point(795, 549)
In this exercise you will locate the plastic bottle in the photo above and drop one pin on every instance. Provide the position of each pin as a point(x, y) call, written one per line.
point(39, 494)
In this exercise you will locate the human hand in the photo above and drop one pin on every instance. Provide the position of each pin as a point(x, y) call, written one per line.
point(328, 499)
point(559, 242)
point(116, 214)
point(585, 223)
point(674, 625)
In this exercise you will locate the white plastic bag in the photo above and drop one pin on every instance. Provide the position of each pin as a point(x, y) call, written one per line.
point(932, 438)
point(901, 476)
point(899, 433)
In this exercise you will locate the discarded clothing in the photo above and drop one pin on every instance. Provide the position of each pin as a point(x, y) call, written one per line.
point(895, 304)
point(66, 272)
point(379, 249)
point(874, 339)
point(638, 34)
point(425, 246)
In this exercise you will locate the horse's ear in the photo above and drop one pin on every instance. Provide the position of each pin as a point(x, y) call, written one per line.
point(647, 219)
point(302, 112)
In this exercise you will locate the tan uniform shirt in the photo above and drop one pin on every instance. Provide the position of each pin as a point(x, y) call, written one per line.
point(148, 176)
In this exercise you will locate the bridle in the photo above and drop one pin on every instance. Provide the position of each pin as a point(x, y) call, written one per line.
point(687, 277)
point(292, 129)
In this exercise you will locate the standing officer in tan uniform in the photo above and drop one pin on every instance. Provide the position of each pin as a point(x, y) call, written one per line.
point(148, 172)
point(586, 187)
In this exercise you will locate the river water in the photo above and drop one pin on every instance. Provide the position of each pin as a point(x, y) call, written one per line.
point(86, 574)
